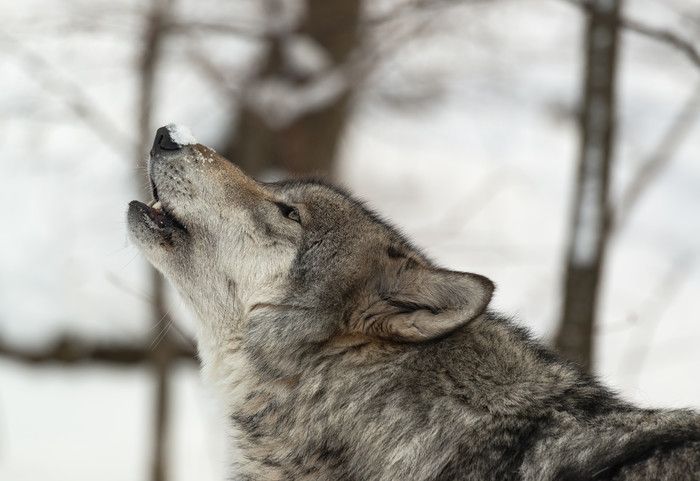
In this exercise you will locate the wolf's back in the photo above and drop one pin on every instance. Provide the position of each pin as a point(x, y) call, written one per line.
point(634, 445)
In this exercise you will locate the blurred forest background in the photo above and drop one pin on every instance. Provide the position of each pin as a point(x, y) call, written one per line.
point(551, 145)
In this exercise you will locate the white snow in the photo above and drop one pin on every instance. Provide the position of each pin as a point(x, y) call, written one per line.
point(181, 134)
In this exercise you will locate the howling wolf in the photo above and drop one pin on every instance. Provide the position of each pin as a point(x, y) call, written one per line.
point(341, 352)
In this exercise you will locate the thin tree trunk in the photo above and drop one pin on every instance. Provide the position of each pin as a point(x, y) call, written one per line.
point(162, 362)
point(162, 351)
point(309, 142)
point(591, 212)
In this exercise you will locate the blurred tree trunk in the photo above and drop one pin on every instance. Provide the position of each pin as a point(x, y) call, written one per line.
point(152, 39)
point(310, 141)
point(588, 238)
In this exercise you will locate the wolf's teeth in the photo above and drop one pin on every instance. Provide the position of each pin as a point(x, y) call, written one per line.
point(152, 203)
point(157, 205)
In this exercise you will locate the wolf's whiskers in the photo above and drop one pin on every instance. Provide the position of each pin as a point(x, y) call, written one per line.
point(162, 333)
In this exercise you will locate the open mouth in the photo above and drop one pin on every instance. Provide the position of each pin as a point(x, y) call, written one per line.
point(158, 214)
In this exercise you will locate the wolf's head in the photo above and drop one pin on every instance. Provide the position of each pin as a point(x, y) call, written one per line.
point(284, 268)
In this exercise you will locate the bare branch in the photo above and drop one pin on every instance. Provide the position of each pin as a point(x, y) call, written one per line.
point(664, 36)
point(657, 34)
point(660, 157)
point(215, 74)
point(72, 94)
point(189, 26)
point(412, 7)
point(69, 350)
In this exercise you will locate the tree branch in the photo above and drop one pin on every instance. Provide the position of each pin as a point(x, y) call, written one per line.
point(243, 31)
point(659, 158)
point(664, 36)
point(657, 34)
point(401, 10)
point(69, 350)
point(72, 94)
point(215, 74)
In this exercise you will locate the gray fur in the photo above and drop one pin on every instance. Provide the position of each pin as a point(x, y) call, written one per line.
point(342, 352)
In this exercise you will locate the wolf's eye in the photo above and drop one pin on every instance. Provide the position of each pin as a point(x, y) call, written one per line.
point(289, 212)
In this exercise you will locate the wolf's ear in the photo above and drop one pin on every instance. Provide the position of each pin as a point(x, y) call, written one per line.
point(419, 303)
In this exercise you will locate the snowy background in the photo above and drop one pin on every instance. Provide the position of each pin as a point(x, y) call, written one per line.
point(480, 176)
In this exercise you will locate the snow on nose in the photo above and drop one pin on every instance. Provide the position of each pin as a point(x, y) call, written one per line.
point(181, 134)
point(172, 137)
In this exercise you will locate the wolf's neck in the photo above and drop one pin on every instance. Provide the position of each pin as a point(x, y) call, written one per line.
point(506, 370)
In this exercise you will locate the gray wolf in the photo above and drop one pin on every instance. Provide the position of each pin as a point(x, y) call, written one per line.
point(341, 352)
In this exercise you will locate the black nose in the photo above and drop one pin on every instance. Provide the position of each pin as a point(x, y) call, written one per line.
point(164, 141)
